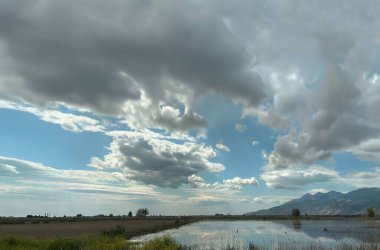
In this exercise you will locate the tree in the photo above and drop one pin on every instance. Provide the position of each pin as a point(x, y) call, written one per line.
point(371, 212)
point(130, 214)
point(296, 212)
point(142, 212)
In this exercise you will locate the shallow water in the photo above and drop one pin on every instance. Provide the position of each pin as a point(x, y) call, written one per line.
point(272, 234)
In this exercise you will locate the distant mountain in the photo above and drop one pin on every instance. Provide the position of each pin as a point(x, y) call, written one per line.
point(331, 203)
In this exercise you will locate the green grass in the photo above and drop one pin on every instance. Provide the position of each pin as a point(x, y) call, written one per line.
point(104, 242)
point(164, 243)
point(83, 243)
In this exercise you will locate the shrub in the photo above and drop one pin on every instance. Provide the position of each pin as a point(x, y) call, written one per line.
point(164, 243)
point(142, 212)
point(296, 212)
point(371, 212)
point(252, 246)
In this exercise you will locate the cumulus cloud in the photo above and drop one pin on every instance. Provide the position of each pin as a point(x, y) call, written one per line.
point(240, 181)
point(312, 78)
point(223, 147)
point(295, 178)
point(150, 159)
point(323, 79)
point(338, 121)
point(235, 183)
point(255, 143)
point(101, 55)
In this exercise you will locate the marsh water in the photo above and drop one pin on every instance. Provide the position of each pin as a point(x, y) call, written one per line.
point(272, 234)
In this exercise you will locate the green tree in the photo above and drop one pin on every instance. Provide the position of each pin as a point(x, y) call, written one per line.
point(142, 212)
point(130, 214)
point(296, 212)
point(371, 212)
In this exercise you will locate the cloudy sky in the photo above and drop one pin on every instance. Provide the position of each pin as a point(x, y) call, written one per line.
point(185, 107)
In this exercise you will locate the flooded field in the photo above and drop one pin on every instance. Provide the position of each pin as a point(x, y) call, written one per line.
point(282, 234)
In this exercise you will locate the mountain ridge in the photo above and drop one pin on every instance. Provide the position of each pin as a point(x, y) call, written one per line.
point(330, 203)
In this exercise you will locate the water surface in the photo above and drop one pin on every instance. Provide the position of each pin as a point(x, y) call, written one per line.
point(271, 234)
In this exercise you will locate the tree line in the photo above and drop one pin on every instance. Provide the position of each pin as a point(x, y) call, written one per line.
point(370, 212)
point(140, 213)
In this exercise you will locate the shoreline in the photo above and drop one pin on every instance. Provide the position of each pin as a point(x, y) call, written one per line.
point(135, 227)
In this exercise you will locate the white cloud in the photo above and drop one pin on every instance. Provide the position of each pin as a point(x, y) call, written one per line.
point(106, 61)
point(316, 190)
point(365, 178)
point(368, 150)
point(241, 128)
point(235, 183)
point(312, 78)
point(295, 178)
point(240, 181)
point(28, 176)
point(68, 121)
point(267, 201)
point(223, 147)
point(268, 117)
point(255, 143)
point(7, 169)
point(148, 158)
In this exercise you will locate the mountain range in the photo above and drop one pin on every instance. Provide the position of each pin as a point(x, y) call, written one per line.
point(331, 203)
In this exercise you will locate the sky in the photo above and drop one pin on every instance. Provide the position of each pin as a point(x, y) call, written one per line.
point(185, 107)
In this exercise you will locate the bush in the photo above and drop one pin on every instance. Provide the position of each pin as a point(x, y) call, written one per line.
point(142, 212)
point(371, 212)
point(252, 246)
point(164, 243)
point(296, 212)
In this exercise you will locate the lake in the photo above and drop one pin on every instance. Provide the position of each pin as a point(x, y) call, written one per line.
point(281, 234)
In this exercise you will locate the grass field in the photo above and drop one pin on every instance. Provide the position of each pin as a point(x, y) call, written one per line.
point(85, 243)
point(162, 243)
point(83, 228)
point(112, 234)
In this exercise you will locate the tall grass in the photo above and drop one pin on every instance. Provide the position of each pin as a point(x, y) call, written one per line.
point(83, 243)
point(105, 242)
point(168, 243)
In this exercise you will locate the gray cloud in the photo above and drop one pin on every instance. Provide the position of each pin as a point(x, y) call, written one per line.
point(368, 150)
point(323, 74)
point(99, 55)
point(149, 159)
point(313, 77)
point(339, 121)
point(295, 178)
point(365, 178)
